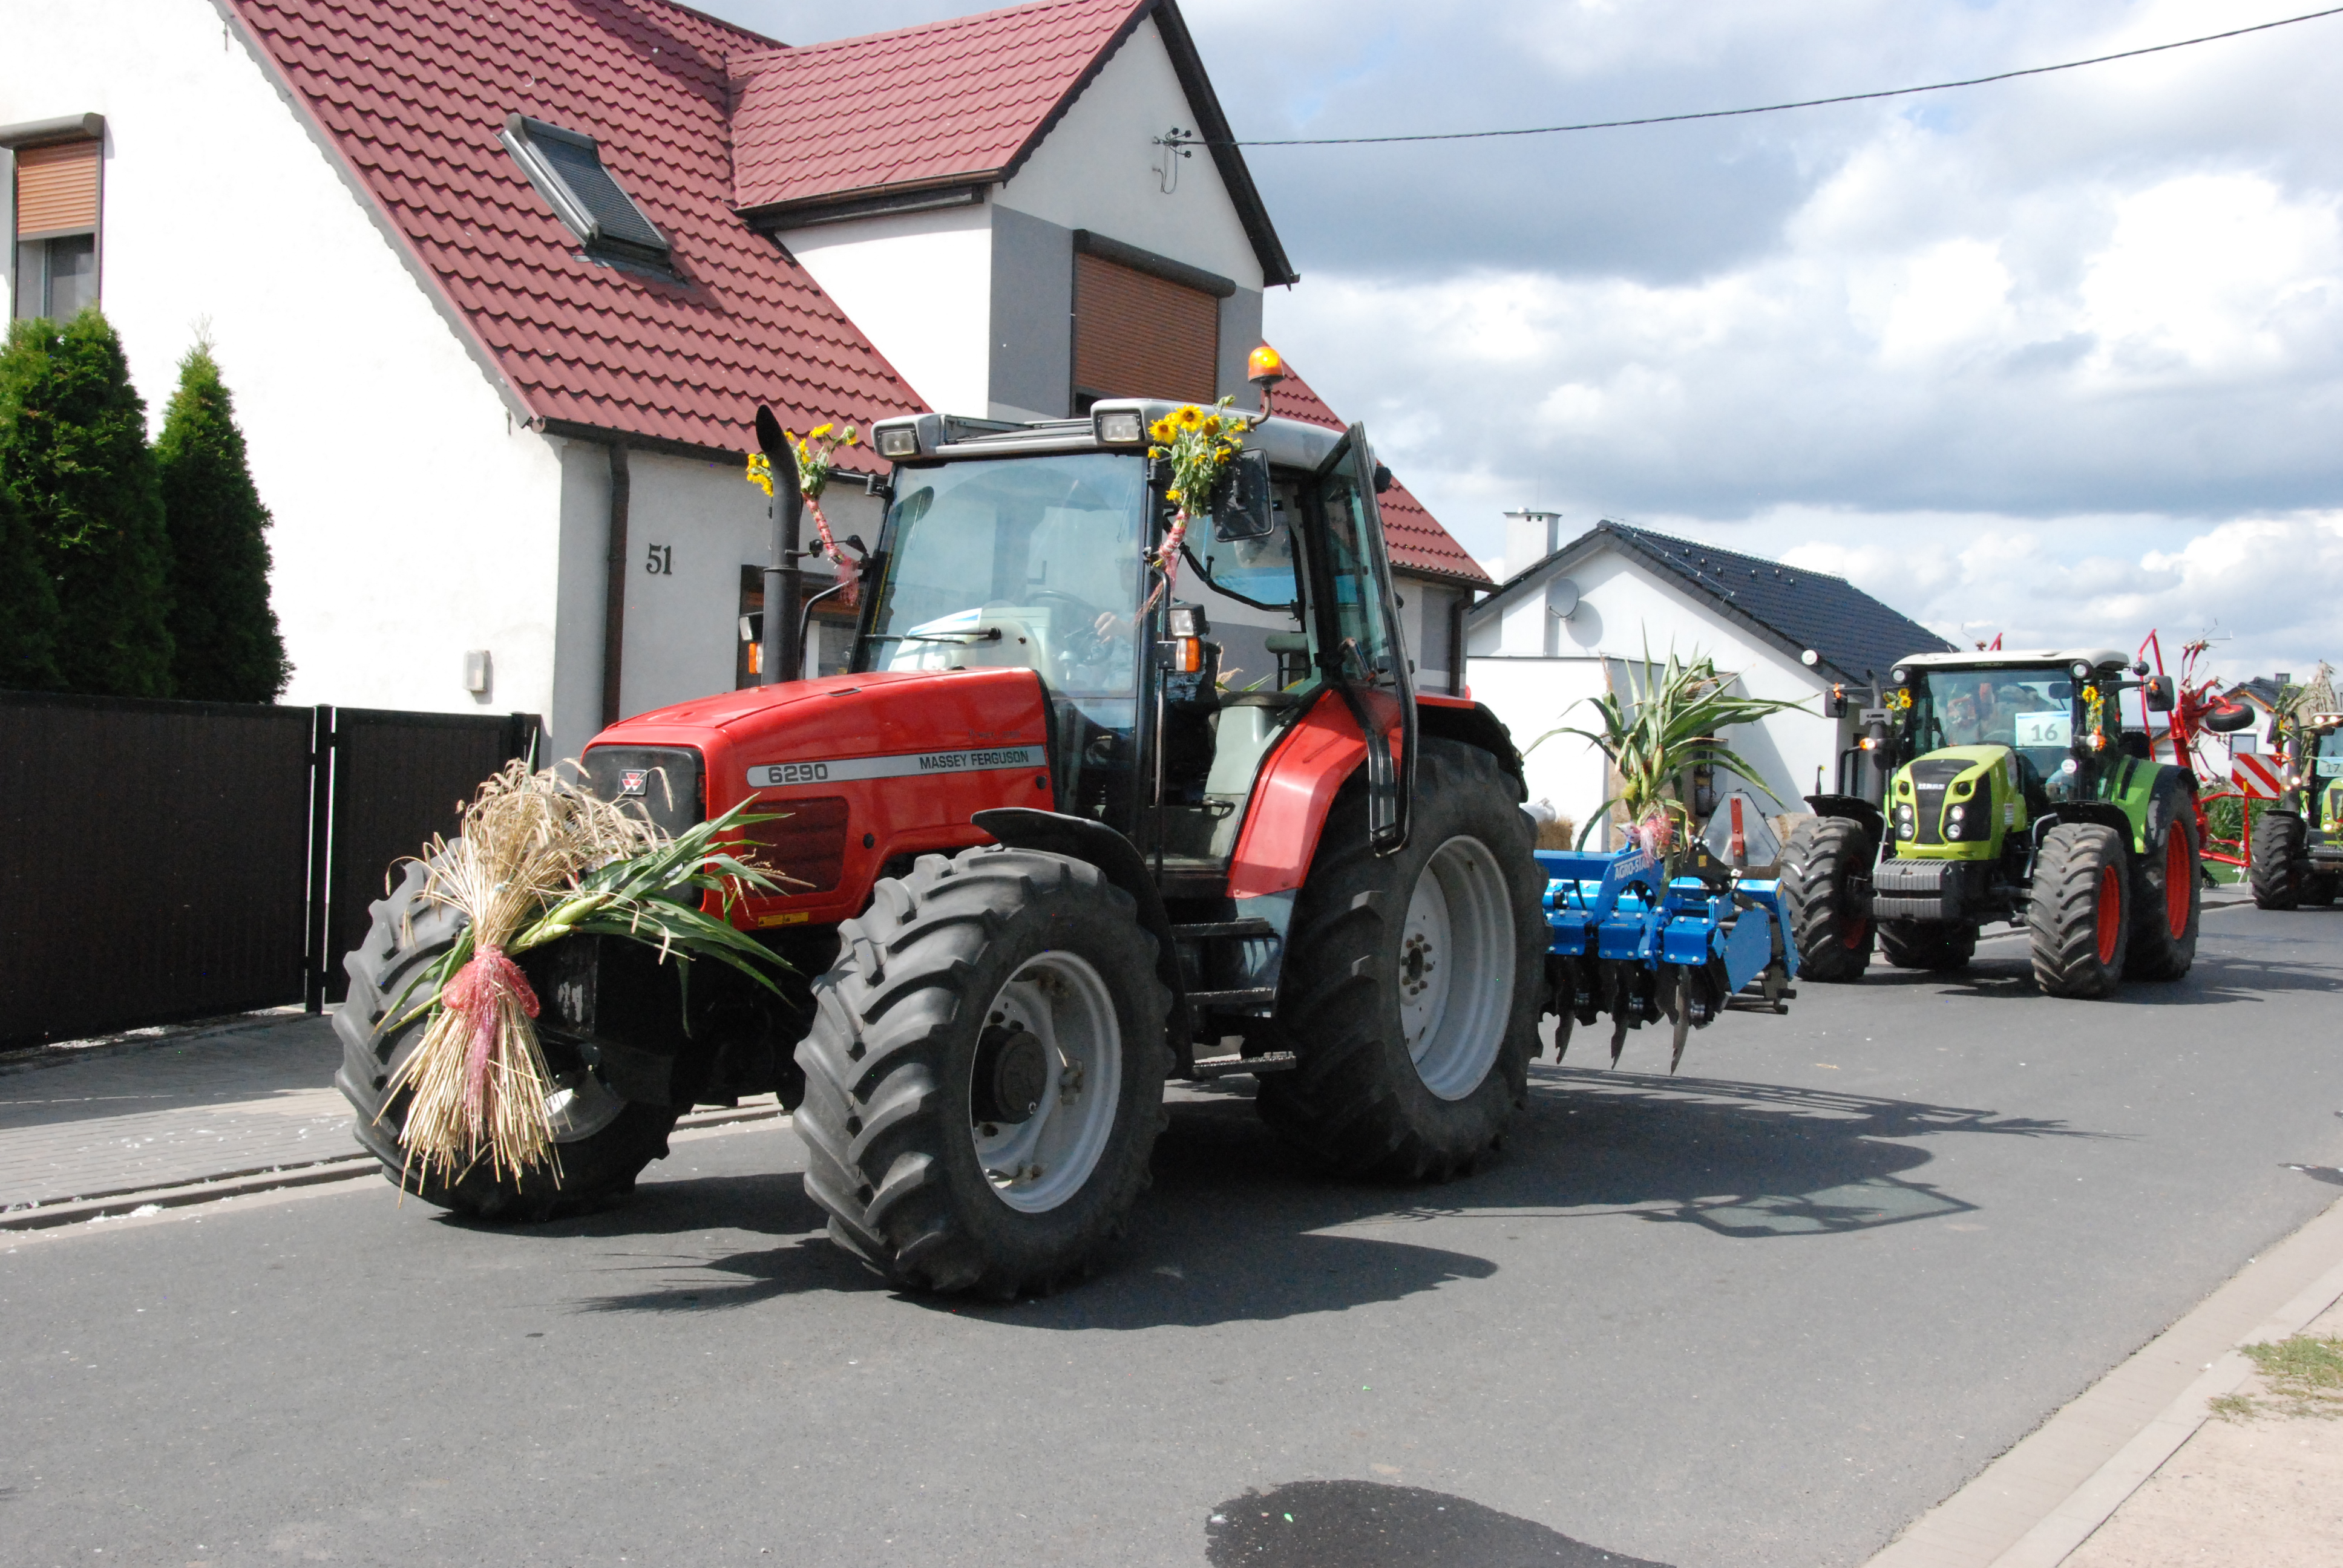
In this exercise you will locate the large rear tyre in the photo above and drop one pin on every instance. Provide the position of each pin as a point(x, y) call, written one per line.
point(1826, 898)
point(2281, 860)
point(1924, 944)
point(984, 1079)
point(2080, 918)
point(604, 1142)
point(1411, 980)
point(2167, 895)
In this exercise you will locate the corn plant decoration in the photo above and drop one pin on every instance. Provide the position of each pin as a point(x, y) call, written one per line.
point(539, 857)
point(1652, 739)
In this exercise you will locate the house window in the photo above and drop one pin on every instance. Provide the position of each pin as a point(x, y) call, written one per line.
point(1139, 334)
point(56, 210)
point(565, 167)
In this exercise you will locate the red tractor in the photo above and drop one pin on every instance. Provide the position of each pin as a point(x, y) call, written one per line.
point(1046, 860)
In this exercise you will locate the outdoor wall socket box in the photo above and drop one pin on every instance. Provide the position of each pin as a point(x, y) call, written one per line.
point(476, 671)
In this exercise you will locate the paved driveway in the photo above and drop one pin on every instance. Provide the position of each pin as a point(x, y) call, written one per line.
point(1764, 1311)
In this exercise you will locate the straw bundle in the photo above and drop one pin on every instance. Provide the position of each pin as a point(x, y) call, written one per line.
point(539, 858)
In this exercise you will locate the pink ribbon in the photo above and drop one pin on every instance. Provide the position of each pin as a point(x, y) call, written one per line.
point(849, 574)
point(477, 993)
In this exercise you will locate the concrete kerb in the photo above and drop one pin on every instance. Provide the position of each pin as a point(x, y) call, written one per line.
point(2037, 1503)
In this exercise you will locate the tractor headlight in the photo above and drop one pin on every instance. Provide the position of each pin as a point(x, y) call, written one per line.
point(899, 441)
point(1120, 427)
point(1956, 822)
point(1907, 822)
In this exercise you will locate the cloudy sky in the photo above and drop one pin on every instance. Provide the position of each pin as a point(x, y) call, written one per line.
point(2059, 358)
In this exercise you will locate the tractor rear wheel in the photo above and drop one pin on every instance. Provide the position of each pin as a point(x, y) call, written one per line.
point(2080, 916)
point(604, 1142)
point(984, 1079)
point(2281, 860)
point(2168, 896)
point(1826, 879)
point(1413, 981)
point(1928, 945)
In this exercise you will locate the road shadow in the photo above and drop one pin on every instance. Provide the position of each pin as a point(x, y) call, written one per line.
point(1366, 1524)
point(1240, 1228)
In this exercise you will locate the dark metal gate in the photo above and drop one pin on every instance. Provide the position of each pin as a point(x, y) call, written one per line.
point(161, 861)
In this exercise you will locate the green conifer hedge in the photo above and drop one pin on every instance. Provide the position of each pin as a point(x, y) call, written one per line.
point(73, 458)
point(228, 646)
point(28, 606)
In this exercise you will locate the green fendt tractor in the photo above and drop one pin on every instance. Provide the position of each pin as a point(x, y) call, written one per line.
point(2002, 786)
point(2296, 857)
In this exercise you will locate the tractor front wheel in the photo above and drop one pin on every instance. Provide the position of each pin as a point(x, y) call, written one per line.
point(1413, 981)
point(1826, 879)
point(602, 1141)
point(2081, 913)
point(984, 1081)
point(1926, 945)
point(2168, 889)
point(2281, 860)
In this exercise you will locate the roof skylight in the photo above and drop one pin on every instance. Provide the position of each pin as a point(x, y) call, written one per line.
point(565, 167)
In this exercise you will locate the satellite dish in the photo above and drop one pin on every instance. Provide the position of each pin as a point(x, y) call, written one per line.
point(1562, 599)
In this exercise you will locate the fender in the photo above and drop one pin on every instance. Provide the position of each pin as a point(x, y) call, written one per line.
point(1292, 796)
point(1855, 808)
point(1470, 723)
point(1118, 860)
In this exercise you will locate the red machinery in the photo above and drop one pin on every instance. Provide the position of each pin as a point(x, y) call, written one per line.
point(2198, 710)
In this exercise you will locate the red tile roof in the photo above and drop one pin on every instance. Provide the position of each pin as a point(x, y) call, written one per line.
point(955, 102)
point(413, 94)
point(1416, 539)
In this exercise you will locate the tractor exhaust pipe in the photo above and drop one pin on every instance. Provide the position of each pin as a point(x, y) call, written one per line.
point(783, 650)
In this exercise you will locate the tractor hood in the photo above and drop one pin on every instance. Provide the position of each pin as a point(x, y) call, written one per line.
point(1950, 804)
point(861, 768)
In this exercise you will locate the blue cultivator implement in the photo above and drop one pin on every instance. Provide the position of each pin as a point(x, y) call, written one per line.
point(1631, 941)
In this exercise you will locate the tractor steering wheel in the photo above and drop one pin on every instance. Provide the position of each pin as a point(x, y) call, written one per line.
point(1080, 636)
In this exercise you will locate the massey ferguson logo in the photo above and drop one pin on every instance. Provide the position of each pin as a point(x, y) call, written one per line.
point(635, 781)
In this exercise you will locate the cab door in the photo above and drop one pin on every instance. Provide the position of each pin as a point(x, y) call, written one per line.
point(1355, 631)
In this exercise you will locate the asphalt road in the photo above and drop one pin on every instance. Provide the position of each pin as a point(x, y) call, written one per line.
point(1763, 1313)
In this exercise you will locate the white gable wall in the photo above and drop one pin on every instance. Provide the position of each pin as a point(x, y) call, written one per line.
point(413, 522)
point(1528, 668)
point(970, 303)
point(1097, 169)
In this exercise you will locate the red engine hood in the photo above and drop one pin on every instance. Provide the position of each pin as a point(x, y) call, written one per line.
point(866, 766)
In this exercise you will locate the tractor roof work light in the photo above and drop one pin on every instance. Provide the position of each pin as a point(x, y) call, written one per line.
point(897, 441)
point(1120, 427)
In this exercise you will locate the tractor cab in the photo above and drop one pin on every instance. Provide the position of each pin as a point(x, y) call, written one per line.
point(1167, 681)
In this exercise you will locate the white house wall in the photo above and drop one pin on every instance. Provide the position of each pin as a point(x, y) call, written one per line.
point(706, 522)
point(1532, 696)
point(1622, 607)
point(919, 286)
point(413, 521)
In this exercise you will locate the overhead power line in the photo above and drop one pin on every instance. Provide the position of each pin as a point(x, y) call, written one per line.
point(1755, 109)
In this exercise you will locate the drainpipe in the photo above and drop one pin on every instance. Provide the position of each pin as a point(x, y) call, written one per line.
point(614, 583)
point(1456, 611)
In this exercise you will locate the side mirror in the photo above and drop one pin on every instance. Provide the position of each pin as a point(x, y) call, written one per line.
point(1383, 478)
point(1241, 509)
point(2161, 695)
point(2229, 717)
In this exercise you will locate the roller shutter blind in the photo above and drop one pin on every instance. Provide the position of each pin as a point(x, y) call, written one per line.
point(1140, 335)
point(57, 190)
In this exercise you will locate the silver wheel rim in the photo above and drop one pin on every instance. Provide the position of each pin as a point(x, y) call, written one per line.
point(581, 1105)
point(1457, 968)
point(1051, 1037)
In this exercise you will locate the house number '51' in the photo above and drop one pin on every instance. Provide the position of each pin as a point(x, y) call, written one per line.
point(662, 563)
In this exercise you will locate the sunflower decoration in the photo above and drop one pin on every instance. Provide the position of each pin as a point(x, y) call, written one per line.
point(817, 455)
point(1202, 445)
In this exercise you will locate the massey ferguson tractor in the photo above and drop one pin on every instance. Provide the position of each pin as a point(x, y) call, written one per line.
point(1060, 835)
point(2003, 787)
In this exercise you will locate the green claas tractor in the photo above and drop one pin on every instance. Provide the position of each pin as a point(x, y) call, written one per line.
point(2002, 786)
